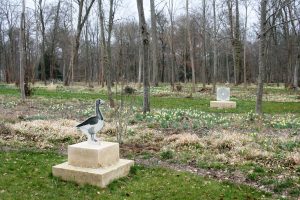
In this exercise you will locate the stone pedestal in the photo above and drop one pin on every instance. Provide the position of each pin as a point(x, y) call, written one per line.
point(93, 155)
point(95, 164)
point(223, 104)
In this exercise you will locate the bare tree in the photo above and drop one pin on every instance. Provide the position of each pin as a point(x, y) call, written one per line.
point(215, 47)
point(88, 67)
point(154, 44)
point(54, 40)
point(203, 69)
point(227, 65)
point(10, 13)
point(82, 17)
point(261, 60)
point(22, 51)
point(191, 47)
point(233, 35)
point(109, 50)
point(246, 4)
point(145, 42)
point(106, 46)
point(42, 29)
point(296, 72)
point(237, 44)
point(140, 65)
point(177, 47)
point(297, 38)
point(171, 40)
point(162, 26)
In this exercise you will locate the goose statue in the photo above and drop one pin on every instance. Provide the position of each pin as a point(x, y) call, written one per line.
point(93, 124)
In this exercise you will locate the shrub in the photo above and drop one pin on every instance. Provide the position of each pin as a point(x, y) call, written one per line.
point(179, 87)
point(168, 154)
point(225, 145)
point(129, 90)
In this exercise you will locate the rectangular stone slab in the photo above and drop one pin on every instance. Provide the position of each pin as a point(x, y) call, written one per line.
point(223, 104)
point(89, 155)
point(100, 177)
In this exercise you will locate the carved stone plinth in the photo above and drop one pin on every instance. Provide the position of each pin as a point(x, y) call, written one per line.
point(92, 155)
point(94, 164)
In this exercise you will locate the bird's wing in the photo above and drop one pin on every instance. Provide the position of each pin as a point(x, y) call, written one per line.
point(90, 121)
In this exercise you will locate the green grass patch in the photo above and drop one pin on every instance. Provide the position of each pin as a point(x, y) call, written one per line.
point(252, 176)
point(243, 106)
point(295, 192)
point(256, 173)
point(289, 145)
point(283, 184)
point(211, 165)
point(27, 175)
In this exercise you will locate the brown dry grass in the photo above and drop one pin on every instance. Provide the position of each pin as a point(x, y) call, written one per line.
point(183, 139)
point(41, 133)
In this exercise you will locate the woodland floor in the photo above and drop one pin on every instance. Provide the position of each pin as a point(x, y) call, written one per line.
point(180, 133)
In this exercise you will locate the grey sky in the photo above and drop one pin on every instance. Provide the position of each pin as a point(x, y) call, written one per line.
point(128, 9)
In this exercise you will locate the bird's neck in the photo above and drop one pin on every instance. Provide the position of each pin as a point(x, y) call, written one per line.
point(98, 112)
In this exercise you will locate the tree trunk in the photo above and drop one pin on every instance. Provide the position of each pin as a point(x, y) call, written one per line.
point(237, 44)
point(154, 44)
point(191, 48)
point(171, 11)
point(140, 65)
point(245, 44)
point(106, 47)
point(261, 59)
point(230, 17)
point(185, 55)
point(296, 35)
point(109, 64)
point(10, 70)
point(227, 67)
point(68, 71)
point(215, 47)
point(296, 73)
point(203, 71)
point(100, 54)
point(54, 32)
point(42, 59)
point(22, 51)
point(145, 41)
point(36, 15)
point(74, 61)
point(88, 57)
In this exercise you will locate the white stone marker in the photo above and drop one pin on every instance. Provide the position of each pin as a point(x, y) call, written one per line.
point(94, 164)
point(223, 99)
point(223, 94)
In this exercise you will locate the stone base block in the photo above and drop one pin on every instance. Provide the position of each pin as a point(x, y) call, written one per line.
point(88, 155)
point(100, 177)
point(223, 104)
